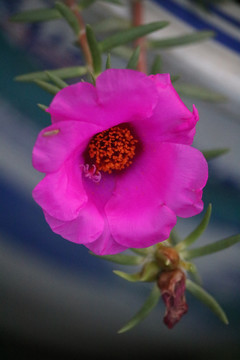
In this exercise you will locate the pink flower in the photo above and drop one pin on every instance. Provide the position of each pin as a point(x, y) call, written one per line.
point(118, 162)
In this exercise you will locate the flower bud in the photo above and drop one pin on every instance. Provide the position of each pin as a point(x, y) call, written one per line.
point(167, 257)
point(172, 285)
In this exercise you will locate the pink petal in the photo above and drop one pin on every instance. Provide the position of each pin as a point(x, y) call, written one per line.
point(99, 194)
point(128, 94)
point(75, 102)
point(61, 194)
point(164, 181)
point(105, 244)
point(171, 120)
point(137, 216)
point(182, 173)
point(119, 96)
point(84, 229)
point(56, 142)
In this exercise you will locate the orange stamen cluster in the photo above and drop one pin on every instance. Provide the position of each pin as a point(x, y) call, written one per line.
point(112, 149)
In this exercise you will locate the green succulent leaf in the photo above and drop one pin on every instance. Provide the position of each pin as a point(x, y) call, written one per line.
point(200, 93)
point(156, 65)
point(83, 4)
point(174, 238)
point(129, 277)
point(128, 35)
point(42, 107)
point(69, 16)
point(187, 39)
point(124, 52)
point(51, 89)
point(142, 252)
point(148, 273)
point(62, 73)
point(193, 272)
point(214, 153)
point(211, 248)
point(196, 233)
point(133, 61)
point(56, 80)
point(111, 24)
point(108, 62)
point(94, 48)
point(147, 307)
point(36, 15)
point(206, 299)
point(121, 259)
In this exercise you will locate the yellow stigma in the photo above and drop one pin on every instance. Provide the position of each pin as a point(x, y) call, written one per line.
point(112, 149)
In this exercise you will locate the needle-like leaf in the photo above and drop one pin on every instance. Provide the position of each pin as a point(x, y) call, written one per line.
point(133, 61)
point(187, 39)
point(56, 80)
point(206, 299)
point(147, 307)
point(211, 248)
point(131, 34)
point(51, 89)
point(196, 233)
point(36, 15)
point(63, 73)
point(121, 259)
point(94, 48)
point(212, 154)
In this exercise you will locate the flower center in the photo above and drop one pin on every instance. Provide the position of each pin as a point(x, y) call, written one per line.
point(112, 149)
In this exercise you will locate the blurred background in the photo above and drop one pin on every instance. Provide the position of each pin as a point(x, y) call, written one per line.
point(56, 300)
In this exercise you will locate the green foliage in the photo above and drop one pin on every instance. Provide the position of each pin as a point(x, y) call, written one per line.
point(83, 4)
point(156, 65)
point(63, 73)
point(111, 24)
point(211, 248)
point(128, 35)
point(214, 153)
point(94, 48)
point(149, 272)
point(108, 62)
point(51, 89)
point(42, 107)
point(36, 15)
point(129, 277)
point(68, 16)
point(196, 233)
point(206, 299)
point(56, 80)
point(198, 92)
point(147, 307)
point(142, 252)
point(187, 39)
point(133, 61)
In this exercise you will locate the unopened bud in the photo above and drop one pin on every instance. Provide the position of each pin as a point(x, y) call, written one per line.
point(173, 285)
point(167, 257)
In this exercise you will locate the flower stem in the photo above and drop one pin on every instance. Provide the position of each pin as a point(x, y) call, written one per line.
point(82, 38)
point(137, 19)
